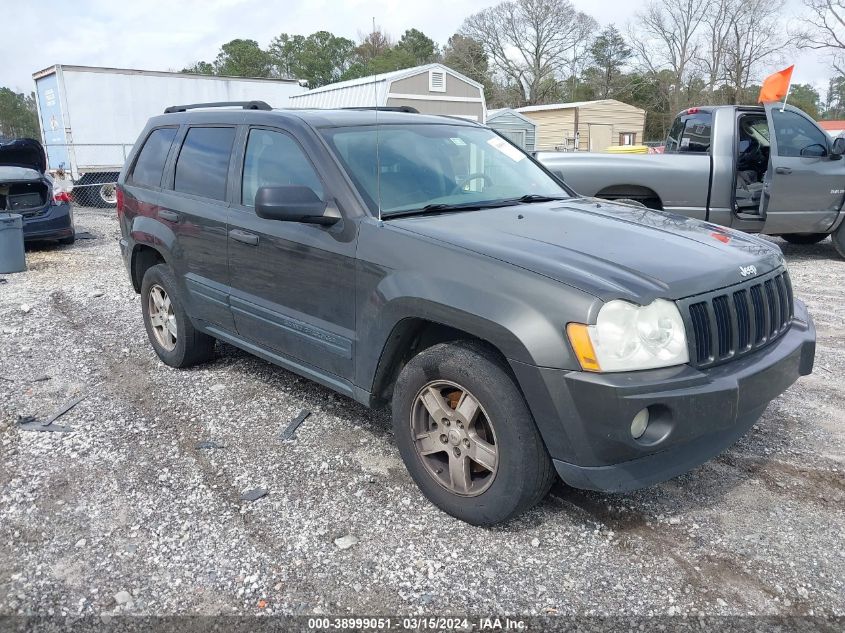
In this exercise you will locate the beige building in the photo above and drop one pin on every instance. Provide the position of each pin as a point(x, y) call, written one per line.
point(430, 89)
point(585, 125)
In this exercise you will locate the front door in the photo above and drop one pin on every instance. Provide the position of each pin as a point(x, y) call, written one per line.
point(805, 185)
point(293, 284)
point(601, 137)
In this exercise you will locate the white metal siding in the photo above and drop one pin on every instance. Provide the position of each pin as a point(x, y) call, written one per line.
point(355, 96)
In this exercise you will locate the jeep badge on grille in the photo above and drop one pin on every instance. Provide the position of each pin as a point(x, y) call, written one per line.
point(745, 271)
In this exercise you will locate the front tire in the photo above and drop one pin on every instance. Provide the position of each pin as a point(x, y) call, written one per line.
point(173, 337)
point(804, 238)
point(838, 239)
point(466, 435)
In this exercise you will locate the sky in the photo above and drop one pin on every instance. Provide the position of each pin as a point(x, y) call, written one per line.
point(172, 34)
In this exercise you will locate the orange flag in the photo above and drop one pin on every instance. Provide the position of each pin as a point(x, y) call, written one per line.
point(776, 86)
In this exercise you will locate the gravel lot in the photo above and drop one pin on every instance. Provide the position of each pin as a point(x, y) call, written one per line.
point(126, 515)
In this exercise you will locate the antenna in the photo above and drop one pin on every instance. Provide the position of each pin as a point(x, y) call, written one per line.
point(375, 103)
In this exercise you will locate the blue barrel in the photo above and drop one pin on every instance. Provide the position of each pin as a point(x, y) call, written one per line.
point(12, 258)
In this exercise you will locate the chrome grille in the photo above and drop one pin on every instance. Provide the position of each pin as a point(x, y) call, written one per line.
point(733, 321)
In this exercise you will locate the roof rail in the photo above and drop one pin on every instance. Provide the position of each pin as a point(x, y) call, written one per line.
point(386, 109)
point(246, 105)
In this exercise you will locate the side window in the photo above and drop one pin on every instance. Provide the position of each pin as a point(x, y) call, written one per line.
point(275, 159)
point(797, 136)
point(203, 163)
point(691, 134)
point(150, 164)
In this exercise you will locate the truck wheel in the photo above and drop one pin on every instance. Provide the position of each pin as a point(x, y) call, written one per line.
point(96, 190)
point(838, 239)
point(466, 435)
point(804, 238)
point(170, 331)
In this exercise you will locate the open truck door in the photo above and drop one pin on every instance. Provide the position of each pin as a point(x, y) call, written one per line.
point(806, 178)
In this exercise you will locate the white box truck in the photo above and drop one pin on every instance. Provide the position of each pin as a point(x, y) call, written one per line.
point(91, 116)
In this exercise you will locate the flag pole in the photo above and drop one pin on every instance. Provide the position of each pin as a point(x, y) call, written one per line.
point(786, 96)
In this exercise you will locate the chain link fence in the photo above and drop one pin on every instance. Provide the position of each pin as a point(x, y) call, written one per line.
point(88, 172)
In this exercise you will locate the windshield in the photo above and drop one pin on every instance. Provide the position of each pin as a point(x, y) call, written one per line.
point(424, 165)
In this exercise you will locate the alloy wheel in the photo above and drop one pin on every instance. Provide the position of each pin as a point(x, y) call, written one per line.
point(162, 317)
point(454, 438)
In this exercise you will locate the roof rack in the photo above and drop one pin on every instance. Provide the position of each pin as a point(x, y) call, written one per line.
point(246, 105)
point(408, 109)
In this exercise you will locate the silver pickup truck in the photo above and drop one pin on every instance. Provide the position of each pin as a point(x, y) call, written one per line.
point(759, 169)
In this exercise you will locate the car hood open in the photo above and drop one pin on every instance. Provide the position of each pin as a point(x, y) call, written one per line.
point(609, 250)
point(23, 152)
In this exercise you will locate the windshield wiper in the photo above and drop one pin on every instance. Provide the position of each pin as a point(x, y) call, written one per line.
point(536, 197)
point(444, 207)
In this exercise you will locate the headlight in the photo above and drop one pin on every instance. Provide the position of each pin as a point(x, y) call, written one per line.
point(627, 337)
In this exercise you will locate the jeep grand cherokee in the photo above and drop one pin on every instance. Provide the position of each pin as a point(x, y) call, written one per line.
point(517, 329)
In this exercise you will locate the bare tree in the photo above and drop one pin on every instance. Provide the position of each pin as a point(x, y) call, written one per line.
point(373, 44)
point(532, 43)
point(756, 41)
point(825, 30)
point(716, 28)
point(665, 38)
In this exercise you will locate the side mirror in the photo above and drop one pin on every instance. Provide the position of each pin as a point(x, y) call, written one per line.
point(292, 203)
point(816, 150)
point(838, 148)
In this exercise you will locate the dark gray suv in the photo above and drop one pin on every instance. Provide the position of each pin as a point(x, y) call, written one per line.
point(517, 329)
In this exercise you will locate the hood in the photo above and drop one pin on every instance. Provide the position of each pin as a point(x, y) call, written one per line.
point(609, 250)
point(23, 152)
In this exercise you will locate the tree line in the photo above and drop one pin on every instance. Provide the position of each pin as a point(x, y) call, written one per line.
point(673, 54)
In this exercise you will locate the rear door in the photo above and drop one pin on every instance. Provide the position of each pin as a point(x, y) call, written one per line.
point(805, 186)
point(293, 284)
point(194, 207)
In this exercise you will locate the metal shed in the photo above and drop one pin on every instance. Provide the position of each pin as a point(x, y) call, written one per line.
point(590, 126)
point(431, 89)
point(514, 126)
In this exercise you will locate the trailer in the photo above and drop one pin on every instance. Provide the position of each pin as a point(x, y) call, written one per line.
point(91, 116)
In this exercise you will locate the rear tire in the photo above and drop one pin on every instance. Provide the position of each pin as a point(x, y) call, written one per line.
point(804, 238)
point(173, 337)
point(493, 464)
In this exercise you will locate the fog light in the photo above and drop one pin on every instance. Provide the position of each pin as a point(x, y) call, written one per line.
point(639, 424)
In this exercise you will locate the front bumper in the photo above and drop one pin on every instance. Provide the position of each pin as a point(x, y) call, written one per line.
point(585, 418)
point(54, 223)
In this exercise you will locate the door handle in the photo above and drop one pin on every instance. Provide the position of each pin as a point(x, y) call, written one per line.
point(783, 170)
point(244, 237)
point(170, 216)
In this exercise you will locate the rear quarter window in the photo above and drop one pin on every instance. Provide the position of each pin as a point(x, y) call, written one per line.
point(690, 134)
point(203, 164)
point(150, 164)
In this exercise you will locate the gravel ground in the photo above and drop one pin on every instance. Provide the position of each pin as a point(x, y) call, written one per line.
point(126, 515)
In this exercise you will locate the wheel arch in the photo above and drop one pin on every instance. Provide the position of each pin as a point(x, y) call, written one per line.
point(648, 196)
point(409, 337)
point(142, 259)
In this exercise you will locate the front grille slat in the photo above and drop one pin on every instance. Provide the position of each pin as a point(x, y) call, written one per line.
point(734, 321)
point(782, 301)
point(702, 332)
point(742, 316)
point(774, 307)
point(724, 327)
